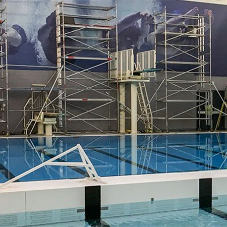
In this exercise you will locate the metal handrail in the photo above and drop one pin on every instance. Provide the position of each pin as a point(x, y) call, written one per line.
point(24, 111)
point(86, 163)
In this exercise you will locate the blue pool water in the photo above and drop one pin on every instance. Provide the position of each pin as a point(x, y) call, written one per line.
point(114, 155)
point(184, 218)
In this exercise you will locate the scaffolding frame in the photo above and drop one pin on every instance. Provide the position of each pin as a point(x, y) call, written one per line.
point(193, 80)
point(80, 40)
point(4, 87)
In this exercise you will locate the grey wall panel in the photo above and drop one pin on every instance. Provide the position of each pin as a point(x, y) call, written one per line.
point(25, 78)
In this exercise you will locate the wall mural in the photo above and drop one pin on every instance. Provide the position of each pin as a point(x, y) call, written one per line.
point(31, 28)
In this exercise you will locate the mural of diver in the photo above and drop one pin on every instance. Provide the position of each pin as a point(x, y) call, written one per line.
point(134, 31)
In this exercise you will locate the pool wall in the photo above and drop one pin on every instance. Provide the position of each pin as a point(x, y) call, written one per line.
point(34, 203)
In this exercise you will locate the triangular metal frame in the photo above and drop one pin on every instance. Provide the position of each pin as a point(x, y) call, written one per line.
point(86, 163)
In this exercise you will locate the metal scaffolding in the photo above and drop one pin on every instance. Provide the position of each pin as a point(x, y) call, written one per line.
point(4, 113)
point(184, 90)
point(86, 37)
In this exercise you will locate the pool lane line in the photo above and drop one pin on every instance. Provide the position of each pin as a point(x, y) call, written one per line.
point(216, 212)
point(8, 175)
point(123, 159)
point(181, 158)
point(76, 169)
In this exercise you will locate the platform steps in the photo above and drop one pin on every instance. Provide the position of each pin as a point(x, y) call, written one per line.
point(42, 111)
point(145, 107)
point(28, 124)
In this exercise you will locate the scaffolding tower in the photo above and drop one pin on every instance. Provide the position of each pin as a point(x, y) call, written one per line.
point(184, 89)
point(86, 37)
point(4, 114)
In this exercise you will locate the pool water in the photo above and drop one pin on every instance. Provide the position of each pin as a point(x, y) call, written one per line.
point(114, 155)
point(186, 218)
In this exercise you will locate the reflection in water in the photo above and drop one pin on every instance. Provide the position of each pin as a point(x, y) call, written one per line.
point(114, 155)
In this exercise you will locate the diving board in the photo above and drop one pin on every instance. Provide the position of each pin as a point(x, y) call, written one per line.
point(138, 72)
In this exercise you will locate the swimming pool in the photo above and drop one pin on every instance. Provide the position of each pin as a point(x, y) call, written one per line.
point(186, 218)
point(114, 155)
point(159, 174)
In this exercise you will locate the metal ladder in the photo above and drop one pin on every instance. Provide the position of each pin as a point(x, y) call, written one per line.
point(38, 101)
point(28, 124)
point(145, 107)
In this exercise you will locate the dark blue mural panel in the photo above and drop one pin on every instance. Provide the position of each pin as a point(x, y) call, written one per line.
point(32, 35)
